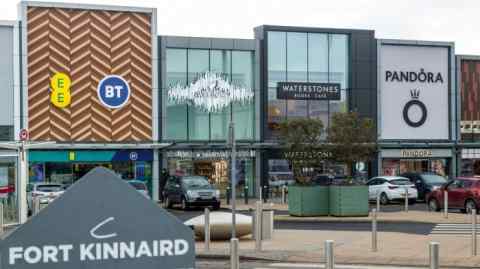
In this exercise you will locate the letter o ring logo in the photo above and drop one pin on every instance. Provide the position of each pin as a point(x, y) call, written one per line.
point(407, 108)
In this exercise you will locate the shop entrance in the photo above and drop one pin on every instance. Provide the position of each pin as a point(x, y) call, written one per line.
point(395, 167)
point(216, 170)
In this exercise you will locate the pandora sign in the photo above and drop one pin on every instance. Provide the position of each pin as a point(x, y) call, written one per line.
point(413, 92)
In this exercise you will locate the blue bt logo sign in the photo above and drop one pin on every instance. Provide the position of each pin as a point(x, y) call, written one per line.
point(113, 91)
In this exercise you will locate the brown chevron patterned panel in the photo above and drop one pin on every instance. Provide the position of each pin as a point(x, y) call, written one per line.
point(88, 45)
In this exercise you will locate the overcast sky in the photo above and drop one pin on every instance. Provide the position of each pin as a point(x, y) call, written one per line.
point(438, 20)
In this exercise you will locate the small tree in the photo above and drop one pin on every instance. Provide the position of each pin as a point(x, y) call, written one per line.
point(303, 146)
point(351, 138)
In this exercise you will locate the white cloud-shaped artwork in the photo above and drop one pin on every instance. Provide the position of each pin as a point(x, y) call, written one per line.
point(210, 92)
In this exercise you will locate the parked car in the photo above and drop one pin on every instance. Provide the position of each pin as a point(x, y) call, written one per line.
point(391, 188)
point(189, 191)
point(425, 182)
point(463, 194)
point(46, 192)
point(140, 186)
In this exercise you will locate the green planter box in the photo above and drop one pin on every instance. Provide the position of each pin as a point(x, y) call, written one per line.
point(307, 201)
point(346, 201)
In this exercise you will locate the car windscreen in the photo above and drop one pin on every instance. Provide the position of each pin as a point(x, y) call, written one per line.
point(138, 185)
point(195, 182)
point(49, 188)
point(434, 179)
point(400, 182)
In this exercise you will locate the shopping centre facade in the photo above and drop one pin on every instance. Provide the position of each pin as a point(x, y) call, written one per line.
point(423, 99)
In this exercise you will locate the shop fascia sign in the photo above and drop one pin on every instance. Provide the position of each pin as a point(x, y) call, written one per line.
point(416, 153)
point(209, 154)
point(74, 232)
point(421, 76)
point(308, 91)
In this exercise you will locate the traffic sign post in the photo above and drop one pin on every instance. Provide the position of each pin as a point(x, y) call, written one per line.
point(23, 135)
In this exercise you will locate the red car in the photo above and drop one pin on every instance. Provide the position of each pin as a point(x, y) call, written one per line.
point(463, 194)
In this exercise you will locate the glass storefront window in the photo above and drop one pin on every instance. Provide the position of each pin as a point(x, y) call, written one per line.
point(8, 190)
point(177, 113)
point(216, 171)
point(305, 57)
point(396, 167)
point(185, 122)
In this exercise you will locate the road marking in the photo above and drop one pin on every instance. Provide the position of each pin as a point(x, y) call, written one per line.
point(312, 265)
point(453, 229)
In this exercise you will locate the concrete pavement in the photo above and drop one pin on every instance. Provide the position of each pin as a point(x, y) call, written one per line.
point(351, 248)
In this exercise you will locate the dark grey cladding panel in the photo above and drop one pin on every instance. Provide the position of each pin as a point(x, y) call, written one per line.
point(176, 41)
point(244, 44)
point(199, 42)
point(362, 77)
point(222, 43)
point(97, 211)
point(363, 49)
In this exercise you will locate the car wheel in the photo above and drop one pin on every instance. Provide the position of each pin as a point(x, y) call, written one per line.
point(433, 205)
point(384, 199)
point(167, 202)
point(469, 206)
point(184, 204)
point(216, 207)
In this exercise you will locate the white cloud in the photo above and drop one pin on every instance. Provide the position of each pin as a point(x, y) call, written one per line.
point(439, 20)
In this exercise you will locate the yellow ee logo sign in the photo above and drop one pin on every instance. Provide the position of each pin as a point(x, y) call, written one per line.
point(60, 96)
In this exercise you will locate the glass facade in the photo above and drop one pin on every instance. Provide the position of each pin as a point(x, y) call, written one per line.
point(305, 57)
point(185, 122)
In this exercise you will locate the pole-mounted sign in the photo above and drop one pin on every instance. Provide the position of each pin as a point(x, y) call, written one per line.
point(100, 222)
point(23, 135)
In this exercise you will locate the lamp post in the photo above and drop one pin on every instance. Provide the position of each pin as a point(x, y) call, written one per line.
point(233, 174)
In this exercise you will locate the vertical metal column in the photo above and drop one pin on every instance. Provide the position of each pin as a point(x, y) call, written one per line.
point(234, 258)
point(374, 230)
point(474, 232)
point(258, 226)
point(207, 229)
point(1, 219)
point(233, 176)
point(329, 255)
point(406, 199)
point(434, 255)
point(445, 204)
point(378, 202)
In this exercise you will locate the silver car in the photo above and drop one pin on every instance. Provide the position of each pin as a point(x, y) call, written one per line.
point(46, 193)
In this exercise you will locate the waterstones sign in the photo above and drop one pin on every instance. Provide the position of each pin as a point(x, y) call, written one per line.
point(308, 91)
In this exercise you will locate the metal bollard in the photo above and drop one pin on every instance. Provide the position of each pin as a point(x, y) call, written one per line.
point(406, 199)
point(378, 202)
point(36, 206)
point(434, 255)
point(245, 194)
point(234, 258)
point(283, 195)
point(228, 195)
point(258, 226)
point(445, 204)
point(265, 194)
point(1, 219)
point(260, 194)
point(329, 255)
point(207, 229)
point(474, 232)
point(374, 230)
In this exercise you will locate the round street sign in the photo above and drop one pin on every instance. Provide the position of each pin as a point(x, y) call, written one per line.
point(113, 91)
point(23, 134)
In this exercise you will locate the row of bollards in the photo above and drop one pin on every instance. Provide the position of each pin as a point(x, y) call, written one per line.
point(234, 243)
point(330, 256)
